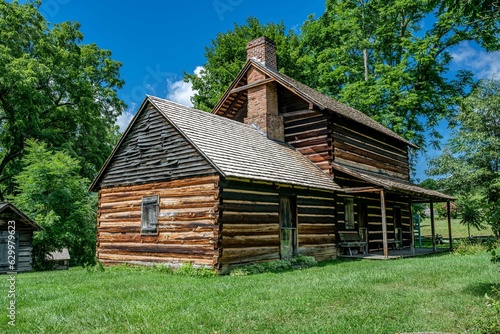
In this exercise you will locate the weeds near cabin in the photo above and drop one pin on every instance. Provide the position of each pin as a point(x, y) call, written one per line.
point(187, 269)
point(467, 247)
point(299, 261)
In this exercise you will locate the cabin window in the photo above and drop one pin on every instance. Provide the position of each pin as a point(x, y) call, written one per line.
point(349, 213)
point(150, 208)
point(288, 221)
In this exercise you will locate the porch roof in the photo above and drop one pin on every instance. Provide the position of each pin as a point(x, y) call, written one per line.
point(392, 184)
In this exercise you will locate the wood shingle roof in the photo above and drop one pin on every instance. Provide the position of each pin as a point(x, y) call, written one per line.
point(240, 151)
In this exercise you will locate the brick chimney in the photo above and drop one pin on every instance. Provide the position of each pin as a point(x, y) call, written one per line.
point(263, 99)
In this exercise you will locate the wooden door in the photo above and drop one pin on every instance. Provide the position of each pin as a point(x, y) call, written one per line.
point(288, 222)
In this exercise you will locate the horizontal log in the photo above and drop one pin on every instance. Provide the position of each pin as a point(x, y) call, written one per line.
point(316, 239)
point(245, 255)
point(204, 190)
point(245, 196)
point(194, 238)
point(249, 207)
point(244, 218)
point(243, 241)
point(315, 219)
point(316, 229)
point(163, 185)
point(119, 258)
point(320, 252)
point(229, 230)
point(160, 249)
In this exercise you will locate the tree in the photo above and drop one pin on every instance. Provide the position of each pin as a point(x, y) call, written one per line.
point(53, 193)
point(55, 89)
point(470, 161)
point(227, 54)
point(470, 209)
point(386, 59)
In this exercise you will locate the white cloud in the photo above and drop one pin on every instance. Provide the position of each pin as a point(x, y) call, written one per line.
point(180, 91)
point(124, 119)
point(482, 64)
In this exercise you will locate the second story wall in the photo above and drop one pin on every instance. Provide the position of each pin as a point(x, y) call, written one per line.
point(359, 146)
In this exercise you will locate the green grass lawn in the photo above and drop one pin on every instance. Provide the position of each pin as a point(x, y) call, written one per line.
point(458, 230)
point(438, 293)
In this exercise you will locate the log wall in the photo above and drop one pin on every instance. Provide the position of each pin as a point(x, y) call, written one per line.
point(249, 216)
point(188, 223)
point(310, 132)
point(374, 215)
point(24, 233)
point(359, 146)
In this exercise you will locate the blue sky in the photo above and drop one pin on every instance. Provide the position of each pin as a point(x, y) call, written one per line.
point(159, 40)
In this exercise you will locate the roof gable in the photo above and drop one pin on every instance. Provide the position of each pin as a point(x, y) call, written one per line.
point(151, 150)
point(10, 209)
point(235, 97)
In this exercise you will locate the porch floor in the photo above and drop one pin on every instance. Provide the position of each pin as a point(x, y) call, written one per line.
point(394, 254)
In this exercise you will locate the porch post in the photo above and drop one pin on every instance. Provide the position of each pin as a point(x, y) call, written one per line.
point(412, 227)
point(448, 207)
point(384, 223)
point(433, 229)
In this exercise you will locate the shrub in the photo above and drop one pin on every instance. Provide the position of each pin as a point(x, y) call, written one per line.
point(466, 247)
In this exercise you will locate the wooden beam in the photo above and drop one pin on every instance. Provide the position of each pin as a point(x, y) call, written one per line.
point(412, 227)
point(433, 228)
point(236, 99)
point(252, 85)
point(362, 190)
point(448, 208)
point(384, 223)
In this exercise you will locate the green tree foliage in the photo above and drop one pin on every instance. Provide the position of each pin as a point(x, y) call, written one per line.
point(53, 193)
point(470, 209)
point(227, 54)
point(470, 161)
point(55, 89)
point(389, 59)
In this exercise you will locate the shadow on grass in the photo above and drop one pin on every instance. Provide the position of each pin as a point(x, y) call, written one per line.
point(480, 289)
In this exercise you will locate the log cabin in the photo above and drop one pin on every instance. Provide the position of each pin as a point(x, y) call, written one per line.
point(15, 223)
point(277, 169)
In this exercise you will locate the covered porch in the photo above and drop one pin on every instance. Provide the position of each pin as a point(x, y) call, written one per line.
point(399, 241)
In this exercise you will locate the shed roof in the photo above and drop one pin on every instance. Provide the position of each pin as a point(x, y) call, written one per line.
point(10, 208)
point(312, 96)
point(63, 254)
point(239, 150)
point(392, 183)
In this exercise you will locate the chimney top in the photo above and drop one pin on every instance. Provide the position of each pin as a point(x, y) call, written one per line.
point(263, 50)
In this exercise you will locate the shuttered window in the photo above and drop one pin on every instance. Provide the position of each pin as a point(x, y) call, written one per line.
point(349, 213)
point(150, 209)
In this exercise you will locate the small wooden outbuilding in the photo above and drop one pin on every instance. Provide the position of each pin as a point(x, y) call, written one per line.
point(60, 259)
point(16, 235)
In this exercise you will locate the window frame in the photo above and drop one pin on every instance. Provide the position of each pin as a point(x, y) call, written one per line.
point(150, 209)
point(288, 226)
